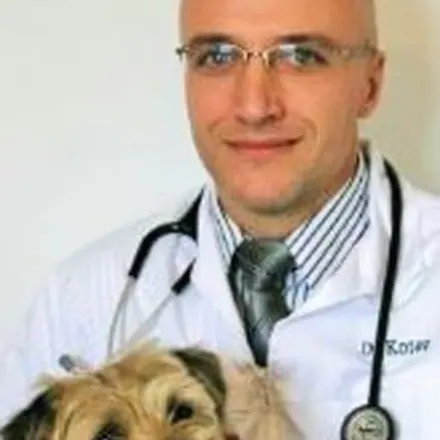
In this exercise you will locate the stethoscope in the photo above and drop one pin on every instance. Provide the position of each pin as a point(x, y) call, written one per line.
point(367, 422)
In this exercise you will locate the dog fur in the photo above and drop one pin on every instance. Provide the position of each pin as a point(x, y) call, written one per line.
point(148, 394)
point(256, 404)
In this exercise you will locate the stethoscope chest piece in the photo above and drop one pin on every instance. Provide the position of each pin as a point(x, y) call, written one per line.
point(368, 423)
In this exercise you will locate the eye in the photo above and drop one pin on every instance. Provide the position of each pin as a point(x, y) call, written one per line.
point(179, 411)
point(302, 55)
point(110, 431)
point(215, 56)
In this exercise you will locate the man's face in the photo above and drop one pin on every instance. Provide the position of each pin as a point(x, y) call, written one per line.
point(278, 140)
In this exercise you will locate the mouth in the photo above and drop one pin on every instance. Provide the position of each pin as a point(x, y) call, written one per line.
point(261, 144)
point(262, 147)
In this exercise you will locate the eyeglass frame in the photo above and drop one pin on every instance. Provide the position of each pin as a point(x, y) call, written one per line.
point(343, 51)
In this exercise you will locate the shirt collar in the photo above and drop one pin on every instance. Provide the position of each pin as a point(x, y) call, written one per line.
point(320, 244)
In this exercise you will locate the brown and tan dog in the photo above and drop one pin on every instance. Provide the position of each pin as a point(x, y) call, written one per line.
point(154, 394)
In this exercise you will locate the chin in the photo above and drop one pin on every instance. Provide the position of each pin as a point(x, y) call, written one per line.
point(269, 203)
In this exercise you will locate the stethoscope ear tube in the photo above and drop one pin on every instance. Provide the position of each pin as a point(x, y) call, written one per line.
point(186, 225)
point(146, 245)
point(181, 283)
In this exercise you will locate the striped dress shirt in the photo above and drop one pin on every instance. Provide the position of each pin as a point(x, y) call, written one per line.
point(320, 245)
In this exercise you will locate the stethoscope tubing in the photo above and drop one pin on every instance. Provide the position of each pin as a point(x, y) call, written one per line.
point(388, 287)
point(185, 225)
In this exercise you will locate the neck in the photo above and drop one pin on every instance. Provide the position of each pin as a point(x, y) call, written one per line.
point(278, 222)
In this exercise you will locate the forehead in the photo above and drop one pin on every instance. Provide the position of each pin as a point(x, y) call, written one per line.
point(259, 20)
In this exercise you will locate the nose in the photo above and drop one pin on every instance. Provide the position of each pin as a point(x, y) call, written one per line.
point(258, 99)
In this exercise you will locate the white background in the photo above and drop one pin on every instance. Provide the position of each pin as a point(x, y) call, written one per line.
point(93, 132)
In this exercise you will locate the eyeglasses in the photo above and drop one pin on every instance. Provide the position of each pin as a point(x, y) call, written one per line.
point(222, 57)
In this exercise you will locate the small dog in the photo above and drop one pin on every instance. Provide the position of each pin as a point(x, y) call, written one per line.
point(187, 394)
point(147, 394)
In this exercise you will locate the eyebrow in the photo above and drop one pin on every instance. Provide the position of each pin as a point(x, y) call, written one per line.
point(210, 39)
point(306, 38)
point(213, 38)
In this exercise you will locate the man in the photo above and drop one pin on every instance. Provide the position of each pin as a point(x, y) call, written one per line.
point(275, 89)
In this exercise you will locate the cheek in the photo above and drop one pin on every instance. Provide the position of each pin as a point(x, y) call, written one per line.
point(328, 108)
point(208, 103)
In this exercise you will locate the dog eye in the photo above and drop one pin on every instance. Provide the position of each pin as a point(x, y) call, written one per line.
point(110, 431)
point(179, 411)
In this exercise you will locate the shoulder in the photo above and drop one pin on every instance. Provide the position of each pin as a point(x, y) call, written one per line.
point(423, 208)
point(426, 204)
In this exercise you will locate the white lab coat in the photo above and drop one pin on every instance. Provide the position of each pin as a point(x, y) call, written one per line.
point(322, 351)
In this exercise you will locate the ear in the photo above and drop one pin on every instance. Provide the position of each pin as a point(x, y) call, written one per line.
point(35, 422)
point(374, 85)
point(205, 367)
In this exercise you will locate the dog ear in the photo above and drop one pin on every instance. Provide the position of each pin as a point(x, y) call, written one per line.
point(35, 422)
point(205, 367)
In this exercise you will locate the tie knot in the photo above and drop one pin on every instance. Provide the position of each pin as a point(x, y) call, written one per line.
point(264, 263)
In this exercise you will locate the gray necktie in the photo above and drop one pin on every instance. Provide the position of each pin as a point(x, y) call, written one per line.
point(257, 277)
